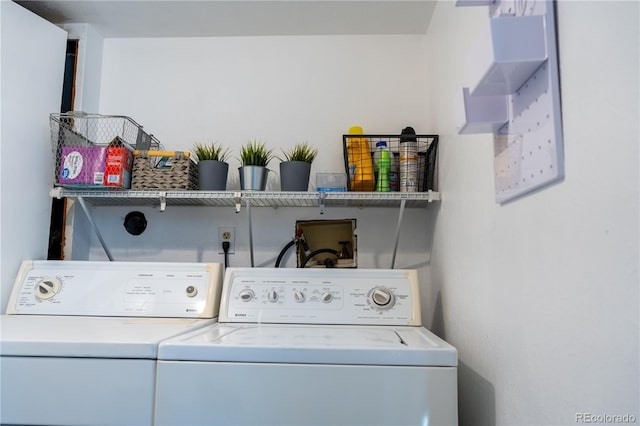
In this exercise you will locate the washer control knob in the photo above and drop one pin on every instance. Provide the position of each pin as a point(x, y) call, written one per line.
point(246, 295)
point(47, 288)
point(326, 297)
point(298, 296)
point(191, 291)
point(272, 296)
point(382, 297)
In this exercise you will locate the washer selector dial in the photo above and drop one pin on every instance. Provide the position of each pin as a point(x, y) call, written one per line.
point(246, 295)
point(272, 296)
point(47, 288)
point(382, 298)
point(326, 297)
point(298, 296)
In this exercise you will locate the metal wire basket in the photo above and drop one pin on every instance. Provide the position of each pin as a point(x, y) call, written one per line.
point(426, 151)
point(94, 150)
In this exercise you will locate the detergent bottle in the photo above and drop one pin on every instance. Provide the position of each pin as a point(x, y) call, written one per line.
point(394, 175)
point(383, 165)
point(361, 173)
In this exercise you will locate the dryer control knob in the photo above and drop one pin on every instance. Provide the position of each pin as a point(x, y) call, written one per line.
point(272, 296)
point(246, 295)
point(326, 297)
point(298, 296)
point(382, 297)
point(47, 288)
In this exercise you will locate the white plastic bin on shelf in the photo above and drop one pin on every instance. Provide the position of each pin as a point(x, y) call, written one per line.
point(519, 49)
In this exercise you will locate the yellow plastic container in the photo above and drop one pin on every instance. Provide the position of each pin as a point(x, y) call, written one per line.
point(360, 163)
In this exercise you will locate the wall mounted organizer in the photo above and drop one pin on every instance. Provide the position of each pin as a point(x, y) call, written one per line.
point(517, 97)
point(483, 114)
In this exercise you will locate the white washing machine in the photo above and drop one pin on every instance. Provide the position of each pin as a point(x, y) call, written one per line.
point(80, 339)
point(310, 347)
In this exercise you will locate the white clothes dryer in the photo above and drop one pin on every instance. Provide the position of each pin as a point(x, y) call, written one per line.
point(310, 347)
point(79, 339)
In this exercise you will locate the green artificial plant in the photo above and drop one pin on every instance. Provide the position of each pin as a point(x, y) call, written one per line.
point(255, 153)
point(301, 151)
point(210, 151)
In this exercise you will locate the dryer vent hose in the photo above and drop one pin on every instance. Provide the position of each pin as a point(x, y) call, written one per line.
point(329, 263)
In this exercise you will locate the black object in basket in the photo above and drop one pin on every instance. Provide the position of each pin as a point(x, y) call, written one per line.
point(164, 170)
point(427, 147)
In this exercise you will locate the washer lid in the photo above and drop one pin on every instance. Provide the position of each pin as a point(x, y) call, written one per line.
point(311, 344)
point(94, 337)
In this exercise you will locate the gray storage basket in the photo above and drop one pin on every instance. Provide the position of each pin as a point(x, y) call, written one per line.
point(149, 173)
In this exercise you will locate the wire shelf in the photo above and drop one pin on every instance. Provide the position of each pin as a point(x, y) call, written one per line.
point(255, 198)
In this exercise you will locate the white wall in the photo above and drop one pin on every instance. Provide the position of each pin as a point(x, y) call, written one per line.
point(280, 90)
point(540, 296)
point(32, 72)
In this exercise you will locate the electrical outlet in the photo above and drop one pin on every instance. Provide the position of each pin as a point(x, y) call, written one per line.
point(227, 233)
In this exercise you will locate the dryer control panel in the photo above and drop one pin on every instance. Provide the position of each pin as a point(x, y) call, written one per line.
point(140, 289)
point(321, 296)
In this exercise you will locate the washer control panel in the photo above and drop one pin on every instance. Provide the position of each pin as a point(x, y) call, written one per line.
point(320, 296)
point(117, 289)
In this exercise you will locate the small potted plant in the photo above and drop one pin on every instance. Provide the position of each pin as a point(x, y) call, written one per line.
point(254, 157)
point(212, 166)
point(295, 168)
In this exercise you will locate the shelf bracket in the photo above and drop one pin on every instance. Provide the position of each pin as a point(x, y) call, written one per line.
point(250, 232)
point(56, 192)
point(237, 199)
point(395, 246)
point(433, 196)
point(95, 228)
point(163, 201)
point(322, 196)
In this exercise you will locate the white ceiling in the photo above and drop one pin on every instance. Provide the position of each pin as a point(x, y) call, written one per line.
point(196, 18)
